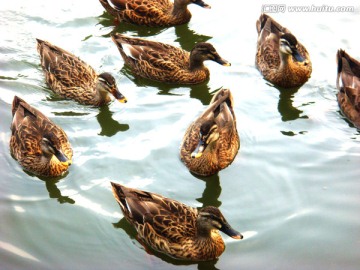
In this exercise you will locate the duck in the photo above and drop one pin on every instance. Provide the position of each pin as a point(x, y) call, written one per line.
point(72, 78)
point(166, 63)
point(280, 57)
point(173, 228)
point(211, 142)
point(155, 13)
point(348, 84)
point(39, 145)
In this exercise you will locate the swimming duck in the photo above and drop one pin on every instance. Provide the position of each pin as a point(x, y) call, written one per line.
point(211, 142)
point(71, 78)
point(152, 13)
point(348, 83)
point(166, 63)
point(280, 58)
point(173, 228)
point(40, 146)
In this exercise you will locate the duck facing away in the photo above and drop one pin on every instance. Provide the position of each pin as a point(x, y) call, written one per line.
point(72, 78)
point(280, 58)
point(173, 228)
point(40, 146)
point(166, 63)
point(211, 142)
point(152, 13)
point(348, 83)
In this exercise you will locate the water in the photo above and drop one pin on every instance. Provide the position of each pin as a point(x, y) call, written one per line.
point(292, 190)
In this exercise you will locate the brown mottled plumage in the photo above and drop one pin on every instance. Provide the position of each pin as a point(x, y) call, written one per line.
point(280, 58)
point(211, 142)
point(39, 145)
point(348, 83)
point(71, 78)
point(165, 63)
point(152, 12)
point(173, 228)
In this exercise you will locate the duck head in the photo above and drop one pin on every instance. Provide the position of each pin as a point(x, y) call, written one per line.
point(107, 83)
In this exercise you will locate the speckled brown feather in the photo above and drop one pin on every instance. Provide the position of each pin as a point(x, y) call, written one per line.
point(268, 60)
point(159, 61)
point(147, 12)
point(167, 225)
point(27, 129)
point(348, 83)
point(220, 154)
point(68, 76)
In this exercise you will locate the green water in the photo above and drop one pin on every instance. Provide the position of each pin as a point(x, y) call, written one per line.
point(293, 189)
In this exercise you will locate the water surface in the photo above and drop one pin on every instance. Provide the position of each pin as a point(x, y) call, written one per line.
point(292, 190)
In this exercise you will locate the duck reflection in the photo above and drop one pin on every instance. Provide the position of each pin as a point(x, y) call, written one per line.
point(109, 126)
point(202, 93)
point(187, 38)
point(212, 191)
point(53, 190)
point(285, 106)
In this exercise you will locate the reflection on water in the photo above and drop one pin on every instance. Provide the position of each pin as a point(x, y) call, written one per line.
point(285, 106)
point(54, 191)
point(212, 191)
point(202, 92)
point(188, 38)
point(209, 265)
point(109, 126)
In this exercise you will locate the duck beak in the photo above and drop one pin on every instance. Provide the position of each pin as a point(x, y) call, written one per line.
point(122, 100)
point(120, 97)
point(226, 228)
point(199, 149)
point(222, 62)
point(202, 4)
point(298, 56)
point(62, 158)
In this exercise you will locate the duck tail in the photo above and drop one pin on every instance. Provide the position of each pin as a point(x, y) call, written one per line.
point(120, 196)
point(15, 104)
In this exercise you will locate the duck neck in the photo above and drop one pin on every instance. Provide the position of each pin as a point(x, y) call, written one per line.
point(179, 8)
point(203, 234)
point(102, 94)
point(210, 241)
point(196, 63)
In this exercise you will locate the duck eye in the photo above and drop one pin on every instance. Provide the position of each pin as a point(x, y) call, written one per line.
point(105, 81)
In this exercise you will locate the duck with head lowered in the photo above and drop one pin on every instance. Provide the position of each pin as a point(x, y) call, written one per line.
point(39, 145)
point(211, 142)
point(280, 57)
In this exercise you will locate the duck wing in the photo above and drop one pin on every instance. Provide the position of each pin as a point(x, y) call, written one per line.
point(62, 67)
point(147, 54)
point(153, 213)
